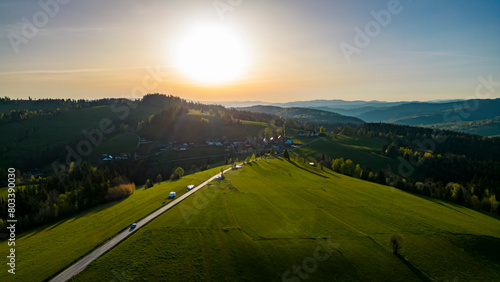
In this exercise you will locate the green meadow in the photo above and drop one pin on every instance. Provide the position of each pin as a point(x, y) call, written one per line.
point(365, 151)
point(276, 220)
point(44, 251)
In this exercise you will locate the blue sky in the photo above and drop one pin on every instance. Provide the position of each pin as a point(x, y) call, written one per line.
point(91, 49)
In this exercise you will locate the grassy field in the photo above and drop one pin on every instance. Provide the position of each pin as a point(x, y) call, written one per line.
point(44, 251)
point(264, 220)
point(365, 151)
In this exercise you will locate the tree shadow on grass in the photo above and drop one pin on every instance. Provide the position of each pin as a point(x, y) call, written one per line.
point(43, 228)
point(413, 269)
point(480, 246)
point(310, 171)
point(51, 225)
point(452, 206)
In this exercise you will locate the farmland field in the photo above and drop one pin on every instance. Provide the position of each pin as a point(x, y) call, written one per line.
point(267, 219)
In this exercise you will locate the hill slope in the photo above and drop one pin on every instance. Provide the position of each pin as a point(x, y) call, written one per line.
point(40, 134)
point(305, 115)
point(269, 219)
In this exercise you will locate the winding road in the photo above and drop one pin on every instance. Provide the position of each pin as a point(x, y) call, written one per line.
point(82, 264)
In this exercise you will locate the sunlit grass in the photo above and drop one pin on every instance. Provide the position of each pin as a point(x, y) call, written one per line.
point(263, 219)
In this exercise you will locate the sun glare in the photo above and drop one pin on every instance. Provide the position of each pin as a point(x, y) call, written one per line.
point(211, 54)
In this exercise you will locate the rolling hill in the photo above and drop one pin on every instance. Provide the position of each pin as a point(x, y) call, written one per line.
point(263, 220)
point(274, 220)
point(305, 115)
point(351, 112)
point(362, 150)
point(43, 133)
point(37, 141)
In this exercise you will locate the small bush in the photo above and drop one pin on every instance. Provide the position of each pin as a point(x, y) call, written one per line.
point(177, 174)
point(159, 178)
point(119, 192)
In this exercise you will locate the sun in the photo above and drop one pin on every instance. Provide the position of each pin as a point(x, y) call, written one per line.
point(212, 54)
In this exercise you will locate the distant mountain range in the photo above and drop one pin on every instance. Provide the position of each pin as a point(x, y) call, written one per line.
point(330, 104)
point(419, 113)
point(436, 114)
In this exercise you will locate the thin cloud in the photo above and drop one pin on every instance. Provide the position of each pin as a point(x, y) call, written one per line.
point(86, 29)
point(445, 54)
point(5, 29)
point(70, 71)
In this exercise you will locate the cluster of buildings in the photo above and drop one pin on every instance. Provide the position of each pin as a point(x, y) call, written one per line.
point(237, 145)
point(121, 156)
point(307, 133)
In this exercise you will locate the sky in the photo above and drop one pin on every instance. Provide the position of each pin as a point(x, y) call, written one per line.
point(272, 50)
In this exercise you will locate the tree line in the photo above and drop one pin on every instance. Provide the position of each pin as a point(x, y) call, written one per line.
point(451, 166)
point(48, 199)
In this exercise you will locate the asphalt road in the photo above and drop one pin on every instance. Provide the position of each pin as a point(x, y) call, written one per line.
point(81, 264)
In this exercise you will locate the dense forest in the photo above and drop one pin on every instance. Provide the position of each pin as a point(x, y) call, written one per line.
point(19, 110)
point(46, 199)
